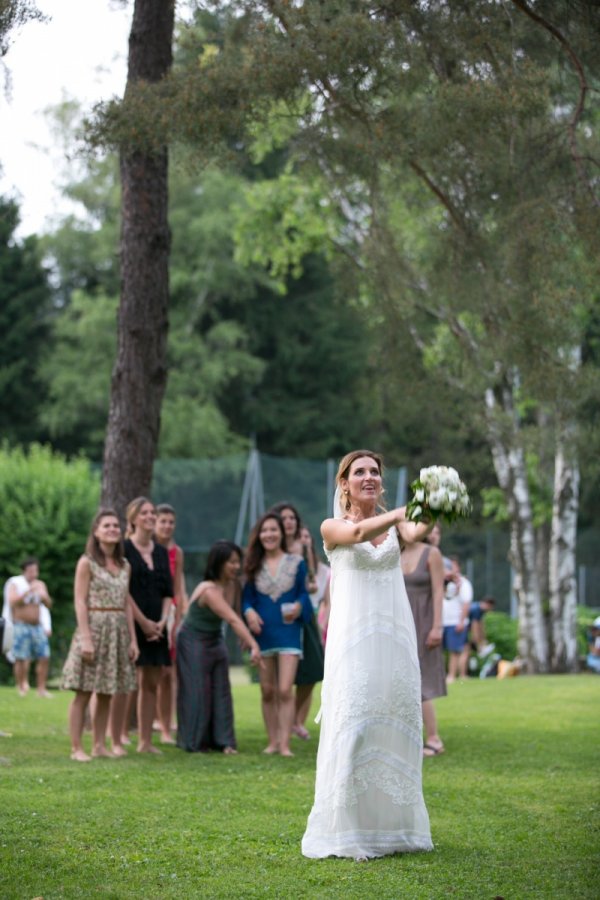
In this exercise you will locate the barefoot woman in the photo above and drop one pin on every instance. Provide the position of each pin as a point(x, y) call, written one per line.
point(204, 702)
point(151, 587)
point(274, 603)
point(104, 646)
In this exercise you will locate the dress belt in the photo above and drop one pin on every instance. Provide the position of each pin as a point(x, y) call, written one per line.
point(106, 609)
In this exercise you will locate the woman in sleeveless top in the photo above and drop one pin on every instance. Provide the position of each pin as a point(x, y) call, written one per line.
point(368, 794)
point(104, 646)
point(151, 588)
point(423, 568)
point(204, 702)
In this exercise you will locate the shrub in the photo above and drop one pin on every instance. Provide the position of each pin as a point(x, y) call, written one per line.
point(585, 617)
point(47, 505)
point(502, 631)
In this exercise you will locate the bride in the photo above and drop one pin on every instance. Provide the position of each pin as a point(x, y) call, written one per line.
point(368, 795)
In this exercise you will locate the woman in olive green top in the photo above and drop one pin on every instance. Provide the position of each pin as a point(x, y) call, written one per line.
point(204, 703)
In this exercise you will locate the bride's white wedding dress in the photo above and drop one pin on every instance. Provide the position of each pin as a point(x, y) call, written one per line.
point(368, 795)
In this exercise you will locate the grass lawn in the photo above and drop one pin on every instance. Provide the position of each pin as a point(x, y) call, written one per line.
point(514, 807)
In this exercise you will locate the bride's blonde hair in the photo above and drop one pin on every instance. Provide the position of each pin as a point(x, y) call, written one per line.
point(344, 471)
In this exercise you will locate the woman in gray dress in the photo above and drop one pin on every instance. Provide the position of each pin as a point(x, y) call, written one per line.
point(423, 569)
point(204, 702)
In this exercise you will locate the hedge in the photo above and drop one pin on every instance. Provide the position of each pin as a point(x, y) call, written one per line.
point(47, 504)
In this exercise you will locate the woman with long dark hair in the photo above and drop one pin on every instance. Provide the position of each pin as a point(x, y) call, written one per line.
point(310, 665)
point(204, 702)
point(275, 602)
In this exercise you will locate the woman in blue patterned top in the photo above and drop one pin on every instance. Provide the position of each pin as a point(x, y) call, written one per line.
point(275, 602)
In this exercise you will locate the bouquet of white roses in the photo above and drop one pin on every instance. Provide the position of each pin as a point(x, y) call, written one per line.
point(438, 492)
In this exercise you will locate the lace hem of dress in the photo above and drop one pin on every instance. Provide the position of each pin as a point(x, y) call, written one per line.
point(356, 843)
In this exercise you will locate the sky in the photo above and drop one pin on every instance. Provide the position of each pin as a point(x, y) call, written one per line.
point(80, 53)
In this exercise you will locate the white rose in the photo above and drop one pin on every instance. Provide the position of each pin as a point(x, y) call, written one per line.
point(436, 498)
point(420, 495)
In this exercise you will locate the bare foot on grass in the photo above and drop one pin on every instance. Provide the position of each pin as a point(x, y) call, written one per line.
point(103, 752)
point(149, 748)
point(80, 756)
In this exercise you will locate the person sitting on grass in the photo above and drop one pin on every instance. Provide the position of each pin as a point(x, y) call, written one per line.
point(593, 657)
point(476, 637)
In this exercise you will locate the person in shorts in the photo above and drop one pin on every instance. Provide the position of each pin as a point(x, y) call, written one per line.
point(458, 597)
point(27, 595)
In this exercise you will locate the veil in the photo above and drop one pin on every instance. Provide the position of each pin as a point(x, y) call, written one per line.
point(337, 504)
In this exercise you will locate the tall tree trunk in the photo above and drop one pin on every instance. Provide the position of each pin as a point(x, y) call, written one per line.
point(140, 372)
point(510, 467)
point(563, 575)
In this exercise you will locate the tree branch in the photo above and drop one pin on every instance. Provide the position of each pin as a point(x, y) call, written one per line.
point(583, 88)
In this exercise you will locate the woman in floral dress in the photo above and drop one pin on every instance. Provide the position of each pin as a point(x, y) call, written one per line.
point(104, 646)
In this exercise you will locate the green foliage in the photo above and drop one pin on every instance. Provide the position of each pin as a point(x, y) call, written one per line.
point(48, 503)
point(585, 617)
point(502, 631)
point(14, 14)
point(540, 495)
point(77, 371)
point(276, 131)
point(281, 222)
point(25, 306)
point(313, 398)
point(519, 773)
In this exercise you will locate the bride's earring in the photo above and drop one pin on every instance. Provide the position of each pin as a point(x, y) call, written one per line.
point(348, 504)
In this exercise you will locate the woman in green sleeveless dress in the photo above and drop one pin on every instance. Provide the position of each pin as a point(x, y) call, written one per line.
point(204, 702)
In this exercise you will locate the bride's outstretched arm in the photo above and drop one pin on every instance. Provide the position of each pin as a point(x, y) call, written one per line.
point(342, 531)
point(411, 532)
